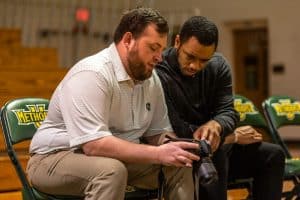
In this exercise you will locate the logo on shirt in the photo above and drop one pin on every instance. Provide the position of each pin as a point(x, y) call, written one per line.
point(148, 106)
point(35, 114)
point(286, 108)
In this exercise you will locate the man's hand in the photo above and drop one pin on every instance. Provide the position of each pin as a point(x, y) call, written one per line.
point(247, 135)
point(210, 132)
point(177, 154)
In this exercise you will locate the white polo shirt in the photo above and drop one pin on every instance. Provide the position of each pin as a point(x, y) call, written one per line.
point(97, 98)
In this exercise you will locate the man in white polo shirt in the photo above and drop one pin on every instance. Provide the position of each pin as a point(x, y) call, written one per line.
point(89, 144)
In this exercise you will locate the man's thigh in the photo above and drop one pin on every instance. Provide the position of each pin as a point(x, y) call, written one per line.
point(247, 160)
point(69, 173)
point(143, 175)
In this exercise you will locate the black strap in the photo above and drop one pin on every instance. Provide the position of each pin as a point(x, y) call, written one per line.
point(195, 171)
point(161, 184)
point(174, 139)
point(196, 184)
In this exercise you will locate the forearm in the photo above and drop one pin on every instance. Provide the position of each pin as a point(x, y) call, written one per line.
point(224, 111)
point(225, 114)
point(123, 150)
point(227, 122)
point(229, 139)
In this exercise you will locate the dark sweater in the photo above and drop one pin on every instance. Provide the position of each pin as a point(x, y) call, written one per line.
point(193, 101)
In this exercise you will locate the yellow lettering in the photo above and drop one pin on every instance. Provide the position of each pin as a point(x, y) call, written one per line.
point(35, 115)
point(20, 116)
point(286, 108)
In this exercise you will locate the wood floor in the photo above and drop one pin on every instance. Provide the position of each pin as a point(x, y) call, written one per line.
point(232, 194)
point(241, 194)
point(11, 196)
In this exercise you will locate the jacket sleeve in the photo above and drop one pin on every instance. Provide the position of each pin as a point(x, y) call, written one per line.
point(222, 107)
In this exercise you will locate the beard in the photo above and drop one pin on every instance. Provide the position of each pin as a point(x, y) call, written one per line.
point(136, 66)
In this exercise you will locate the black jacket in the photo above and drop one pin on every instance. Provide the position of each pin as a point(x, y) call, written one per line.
point(192, 101)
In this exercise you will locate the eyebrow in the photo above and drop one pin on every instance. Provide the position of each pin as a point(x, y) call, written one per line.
point(188, 54)
point(205, 60)
point(158, 45)
point(192, 56)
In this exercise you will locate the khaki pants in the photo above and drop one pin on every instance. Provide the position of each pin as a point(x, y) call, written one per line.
point(71, 173)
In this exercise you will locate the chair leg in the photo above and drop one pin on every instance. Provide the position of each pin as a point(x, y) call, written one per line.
point(295, 192)
point(296, 189)
point(289, 194)
point(249, 196)
point(250, 189)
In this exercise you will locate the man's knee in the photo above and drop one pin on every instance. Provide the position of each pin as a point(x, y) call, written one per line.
point(110, 177)
point(178, 173)
point(116, 171)
point(276, 155)
point(179, 183)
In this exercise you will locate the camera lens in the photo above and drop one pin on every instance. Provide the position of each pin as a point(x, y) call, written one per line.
point(206, 172)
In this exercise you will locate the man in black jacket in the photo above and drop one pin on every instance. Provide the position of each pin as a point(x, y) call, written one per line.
point(197, 82)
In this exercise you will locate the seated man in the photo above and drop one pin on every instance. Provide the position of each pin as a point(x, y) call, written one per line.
point(197, 84)
point(89, 144)
point(250, 157)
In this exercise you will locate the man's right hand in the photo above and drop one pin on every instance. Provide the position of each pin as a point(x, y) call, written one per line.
point(177, 154)
point(247, 135)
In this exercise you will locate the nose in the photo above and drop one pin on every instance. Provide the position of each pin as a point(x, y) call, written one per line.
point(197, 65)
point(158, 57)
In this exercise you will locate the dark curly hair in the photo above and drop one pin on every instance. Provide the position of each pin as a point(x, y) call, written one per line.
point(200, 27)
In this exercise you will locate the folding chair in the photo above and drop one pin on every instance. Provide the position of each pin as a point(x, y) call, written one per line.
point(283, 111)
point(20, 119)
point(249, 115)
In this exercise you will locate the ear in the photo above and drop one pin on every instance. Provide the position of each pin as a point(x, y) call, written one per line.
point(127, 38)
point(177, 42)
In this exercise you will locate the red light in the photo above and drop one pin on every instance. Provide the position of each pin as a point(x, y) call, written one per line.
point(82, 15)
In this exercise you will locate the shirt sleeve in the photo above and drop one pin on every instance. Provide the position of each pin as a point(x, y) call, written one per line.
point(84, 103)
point(160, 121)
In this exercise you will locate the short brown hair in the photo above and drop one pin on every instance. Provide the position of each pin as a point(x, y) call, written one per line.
point(136, 20)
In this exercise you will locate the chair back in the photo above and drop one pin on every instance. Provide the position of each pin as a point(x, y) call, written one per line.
point(20, 119)
point(281, 111)
point(250, 115)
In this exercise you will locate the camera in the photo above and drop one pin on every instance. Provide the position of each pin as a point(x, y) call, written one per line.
point(204, 168)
